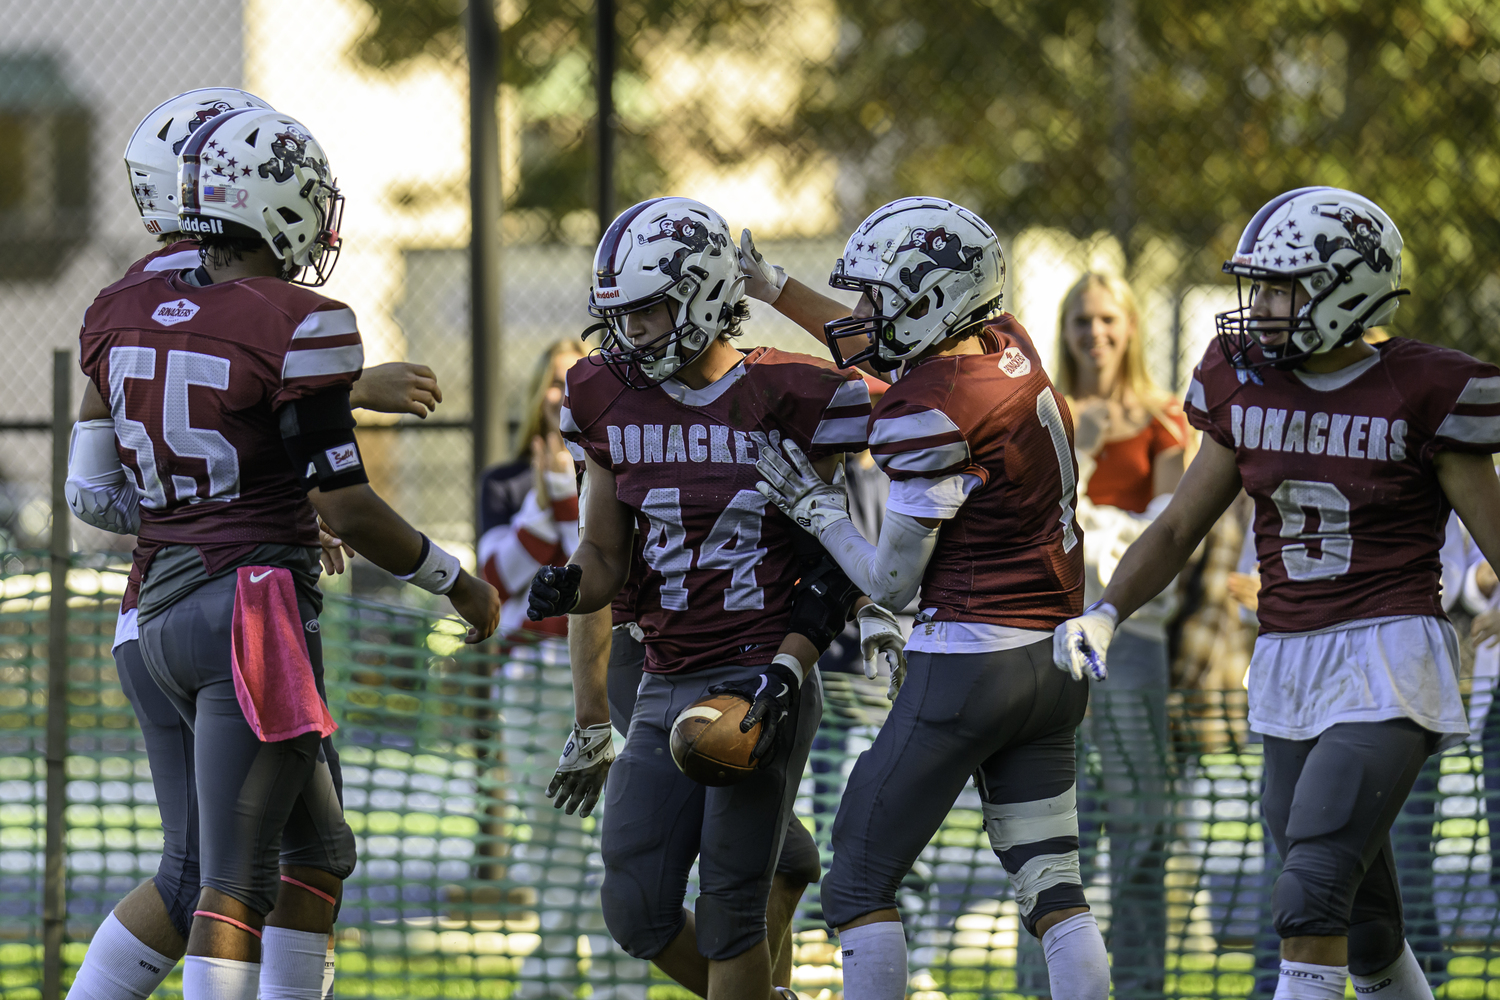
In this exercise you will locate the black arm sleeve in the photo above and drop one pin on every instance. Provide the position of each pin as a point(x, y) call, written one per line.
point(318, 434)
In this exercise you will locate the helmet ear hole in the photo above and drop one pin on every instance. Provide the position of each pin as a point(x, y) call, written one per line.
point(290, 217)
point(921, 308)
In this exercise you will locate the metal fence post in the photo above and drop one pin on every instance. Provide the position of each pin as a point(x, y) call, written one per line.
point(55, 885)
point(483, 40)
point(604, 94)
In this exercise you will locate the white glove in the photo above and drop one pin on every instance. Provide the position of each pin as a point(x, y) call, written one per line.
point(763, 280)
point(879, 632)
point(582, 768)
point(1079, 644)
point(793, 484)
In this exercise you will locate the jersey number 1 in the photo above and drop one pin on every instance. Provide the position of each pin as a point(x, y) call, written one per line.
point(1051, 418)
point(184, 368)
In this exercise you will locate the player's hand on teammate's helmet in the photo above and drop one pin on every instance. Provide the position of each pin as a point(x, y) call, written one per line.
point(879, 632)
point(763, 280)
point(397, 387)
point(554, 591)
point(1079, 644)
point(771, 695)
point(477, 603)
point(582, 769)
point(793, 484)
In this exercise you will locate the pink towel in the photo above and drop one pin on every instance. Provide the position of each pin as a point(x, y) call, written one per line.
point(273, 677)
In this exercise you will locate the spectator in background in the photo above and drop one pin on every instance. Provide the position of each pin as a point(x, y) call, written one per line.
point(528, 508)
point(1132, 442)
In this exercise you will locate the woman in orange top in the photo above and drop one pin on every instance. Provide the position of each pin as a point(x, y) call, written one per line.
point(1132, 441)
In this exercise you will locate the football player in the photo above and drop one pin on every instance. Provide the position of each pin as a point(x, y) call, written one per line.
point(978, 447)
point(140, 942)
point(228, 388)
point(1353, 454)
point(671, 418)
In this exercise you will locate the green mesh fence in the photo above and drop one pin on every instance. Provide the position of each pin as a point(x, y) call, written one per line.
point(471, 885)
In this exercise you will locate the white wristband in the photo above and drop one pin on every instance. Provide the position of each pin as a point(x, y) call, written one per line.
point(437, 571)
point(791, 663)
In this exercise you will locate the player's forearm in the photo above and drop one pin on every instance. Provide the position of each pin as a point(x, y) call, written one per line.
point(1149, 566)
point(1471, 486)
point(603, 575)
point(370, 527)
point(588, 656)
point(809, 309)
point(889, 573)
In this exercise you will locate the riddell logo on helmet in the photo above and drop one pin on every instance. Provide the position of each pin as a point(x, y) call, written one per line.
point(172, 313)
point(198, 224)
point(607, 293)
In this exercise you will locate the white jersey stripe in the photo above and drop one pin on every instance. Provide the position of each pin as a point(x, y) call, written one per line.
point(566, 423)
point(910, 426)
point(1195, 397)
point(182, 260)
point(1480, 392)
point(841, 430)
point(1470, 430)
point(326, 323)
point(324, 361)
point(934, 459)
point(854, 393)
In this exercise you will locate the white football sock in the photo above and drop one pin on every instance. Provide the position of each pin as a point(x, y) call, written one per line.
point(1403, 979)
point(118, 966)
point(219, 979)
point(291, 964)
point(1304, 981)
point(874, 961)
point(328, 971)
point(1077, 964)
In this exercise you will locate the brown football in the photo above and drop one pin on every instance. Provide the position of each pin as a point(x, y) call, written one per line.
point(707, 743)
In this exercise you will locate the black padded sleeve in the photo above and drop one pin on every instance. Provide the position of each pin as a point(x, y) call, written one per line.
point(318, 434)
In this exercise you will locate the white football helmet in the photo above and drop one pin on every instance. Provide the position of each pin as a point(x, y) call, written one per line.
point(151, 154)
point(262, 174)
point(1343, 249)
point(672, 250)
point(929, 267)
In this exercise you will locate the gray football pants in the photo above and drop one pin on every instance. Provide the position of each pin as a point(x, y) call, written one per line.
point(657, 821)
point(799, 860)
point(1329, 803)
point(259, 804)
point(1007, 718)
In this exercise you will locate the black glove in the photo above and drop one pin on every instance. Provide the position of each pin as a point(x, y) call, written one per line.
point(771, 695)
point(554, 591)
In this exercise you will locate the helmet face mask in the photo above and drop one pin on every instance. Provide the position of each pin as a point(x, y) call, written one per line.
point(672, 253)
point(927, 268)
point(1340, 248)
point(261, 173)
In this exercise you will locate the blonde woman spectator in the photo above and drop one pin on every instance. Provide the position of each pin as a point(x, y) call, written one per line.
point(528, 508)
point(1131, 439)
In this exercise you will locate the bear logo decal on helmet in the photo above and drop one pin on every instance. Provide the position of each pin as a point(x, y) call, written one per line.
point(202, 115)
point(696, 235)
point(289, 151)
point(1364, 237)
point(943, 250)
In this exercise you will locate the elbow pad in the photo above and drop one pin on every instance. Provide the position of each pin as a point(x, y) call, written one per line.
point(318, 434)
point(821, 603)
point(98, 490)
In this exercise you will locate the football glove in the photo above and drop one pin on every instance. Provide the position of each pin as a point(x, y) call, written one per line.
point(763, 280)
point(582, 768)
point(1079, 644)
point(879, 633)
point(793, 484)
point(771, 695)
point(554, 591)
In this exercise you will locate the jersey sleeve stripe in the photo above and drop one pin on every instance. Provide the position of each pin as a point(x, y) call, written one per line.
point(1195, 397)
point(1480, 392)
point(932, 459)
point(911, 426)
point(575, 450)
point(566, 424)
point(327, 361)
point(326, 323)
point(1469, 429)
point(842, 430)
point(179, 261)
point(851, 393)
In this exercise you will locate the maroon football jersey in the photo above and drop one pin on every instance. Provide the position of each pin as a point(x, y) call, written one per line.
point(178, 256)
point(1013, 555)
point(194, 377)
point(717, 588)
point(1349, 516)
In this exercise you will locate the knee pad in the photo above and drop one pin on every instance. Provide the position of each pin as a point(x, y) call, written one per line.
point(799, 860)
point(729, 925)
point(180, 897)
point(632, 917)
point(1046, 883)
point(1298, 912)
point(1375, 944)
